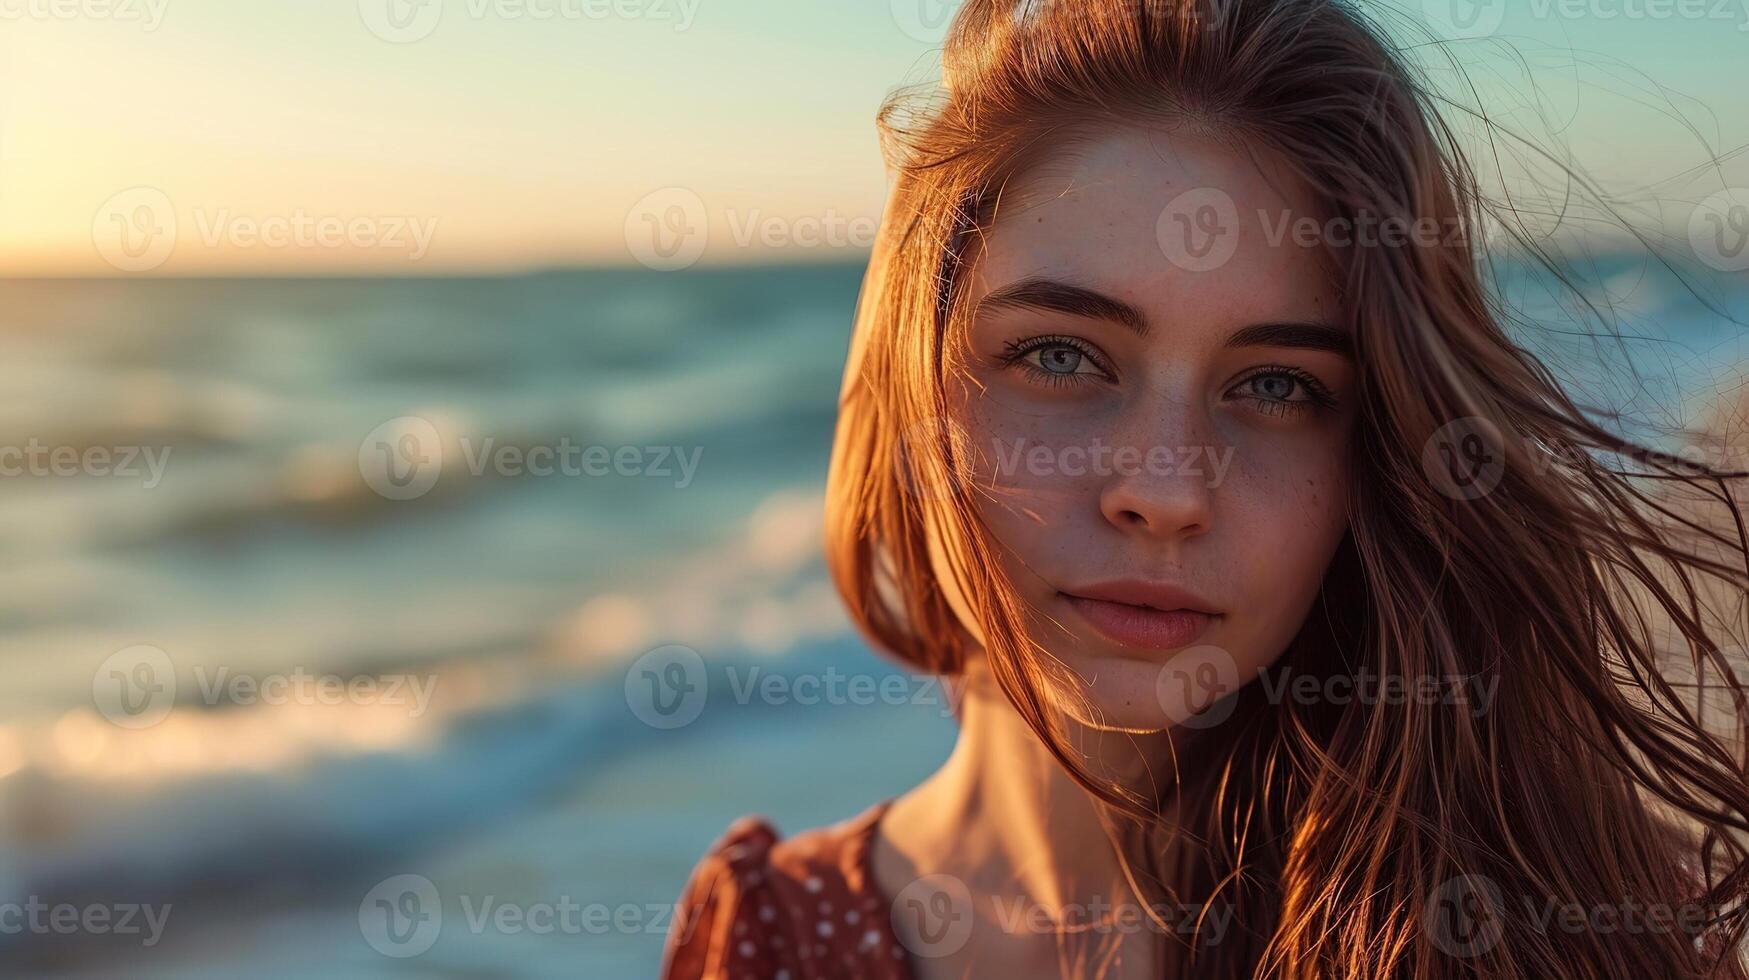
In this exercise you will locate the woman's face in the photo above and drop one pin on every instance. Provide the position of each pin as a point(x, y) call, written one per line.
point(1159, 436)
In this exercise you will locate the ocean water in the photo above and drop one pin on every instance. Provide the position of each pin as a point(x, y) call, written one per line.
point(252, 549)
point(515, 598)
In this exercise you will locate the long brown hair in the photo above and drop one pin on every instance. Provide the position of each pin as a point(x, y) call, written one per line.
point(1593, 584)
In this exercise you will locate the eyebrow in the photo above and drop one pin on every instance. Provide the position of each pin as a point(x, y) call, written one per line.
point(1055, 296)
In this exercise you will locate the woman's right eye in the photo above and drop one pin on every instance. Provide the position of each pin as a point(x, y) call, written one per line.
point(1057, 360)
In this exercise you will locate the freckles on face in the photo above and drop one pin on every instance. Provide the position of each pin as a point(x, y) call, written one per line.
point(1160, 448)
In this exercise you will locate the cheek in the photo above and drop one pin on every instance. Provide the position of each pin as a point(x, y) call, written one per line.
point(1286, 513)
point(1035, 476)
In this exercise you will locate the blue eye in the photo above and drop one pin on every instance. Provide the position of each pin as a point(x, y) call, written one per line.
point(1056, 360)
point(1282, 391)
point(1277, 387)
point(1059, 360)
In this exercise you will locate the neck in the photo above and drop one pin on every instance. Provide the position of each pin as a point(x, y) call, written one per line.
point(1003, 816)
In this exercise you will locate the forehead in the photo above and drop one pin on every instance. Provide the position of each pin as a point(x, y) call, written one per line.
point(1112, 211)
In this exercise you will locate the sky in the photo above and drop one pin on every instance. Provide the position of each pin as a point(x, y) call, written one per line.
point(260, 137)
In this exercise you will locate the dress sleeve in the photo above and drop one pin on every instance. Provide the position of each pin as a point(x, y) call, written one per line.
point(716, 933)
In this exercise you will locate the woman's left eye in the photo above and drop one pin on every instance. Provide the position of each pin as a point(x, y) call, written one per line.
point(1283, 392)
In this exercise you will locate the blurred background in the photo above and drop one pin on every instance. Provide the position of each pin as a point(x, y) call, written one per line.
point(414, 416)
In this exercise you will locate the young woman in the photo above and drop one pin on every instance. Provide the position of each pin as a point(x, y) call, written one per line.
point(1305, 627)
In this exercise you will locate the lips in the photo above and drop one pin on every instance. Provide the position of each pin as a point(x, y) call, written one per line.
point(1142, 615)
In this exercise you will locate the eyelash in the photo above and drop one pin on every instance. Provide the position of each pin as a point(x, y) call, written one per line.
point(1320, 396)
point(1015, 353)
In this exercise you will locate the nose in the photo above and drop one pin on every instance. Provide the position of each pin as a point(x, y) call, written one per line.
point(1167, 492)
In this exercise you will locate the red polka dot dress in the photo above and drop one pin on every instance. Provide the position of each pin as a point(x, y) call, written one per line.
point(807, 908)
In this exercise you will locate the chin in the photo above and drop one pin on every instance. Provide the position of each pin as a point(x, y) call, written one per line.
point(1125, 691)
point(1116, 693)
